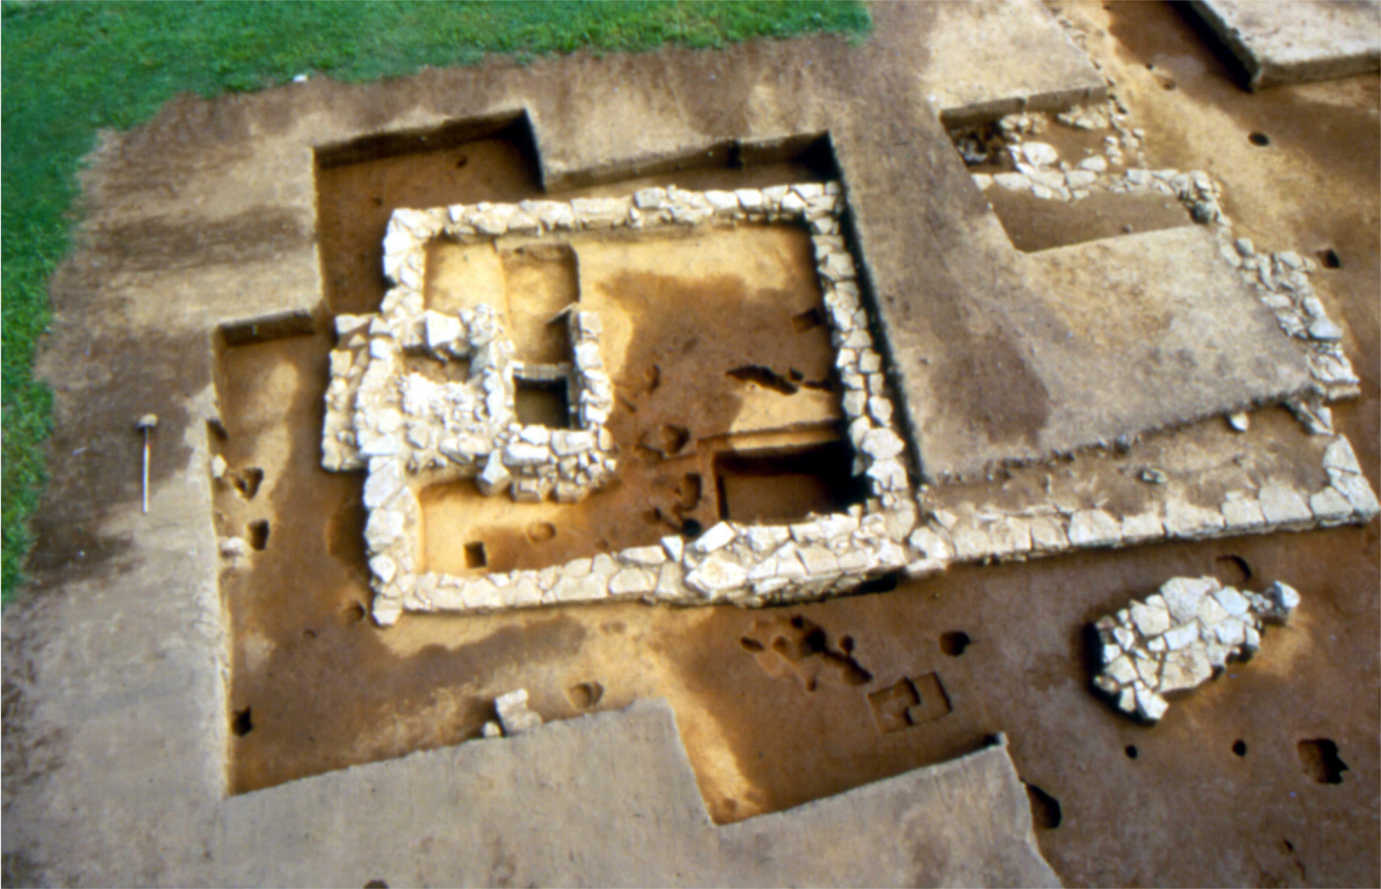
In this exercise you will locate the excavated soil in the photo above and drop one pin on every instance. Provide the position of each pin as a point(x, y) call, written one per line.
point(780, 706)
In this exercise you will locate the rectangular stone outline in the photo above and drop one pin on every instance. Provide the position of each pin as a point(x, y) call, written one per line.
point(730, 562)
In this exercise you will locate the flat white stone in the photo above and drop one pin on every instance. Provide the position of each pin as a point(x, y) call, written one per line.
point(890, 475)
point(494, 477)
point(385, 481)
point(818, 561)
point(1040, 154)
point(930, 544)
point(523, 590)
point(1285, 597)
point(1150, 705)
point(1231, 631)
point(1121, 670)
point(1339, 456)
point(1142, 527)
point(520, 454)
point(1150, 621)
point(383, 567)
point(440, 330)
point(1324, 330)
point(647, 556)
point(1210, 613)
point(1185, 668)
point(632, 581)
point(1357, 490)
point(880, 443)
point(717, 536)
point(971, 541)
point(1080, 178)
point(1094, 527)
point(674, 546)
point(1179, 636)
point(1189, 520)
point(1241, 511)
point(568, 442)
point(1183, 595)
point(1329, 505)
point(1281, 505)
point(764, 538)
point(1231, 600)
point(1147, 668)
point(481, 593)
point(749, 198)
point(1047, 534)
point(384, 527)
point(717, 575)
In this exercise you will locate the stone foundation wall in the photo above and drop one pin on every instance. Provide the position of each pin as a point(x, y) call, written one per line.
point(410, 432)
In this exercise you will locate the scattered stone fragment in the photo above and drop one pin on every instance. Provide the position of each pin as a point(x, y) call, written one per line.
point(1179, 637)
point(514, 715)
point(1239, 421)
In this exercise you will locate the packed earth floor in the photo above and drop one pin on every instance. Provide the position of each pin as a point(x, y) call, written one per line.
point(730, 405)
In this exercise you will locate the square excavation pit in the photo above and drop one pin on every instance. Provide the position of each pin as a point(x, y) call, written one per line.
point(640, 309)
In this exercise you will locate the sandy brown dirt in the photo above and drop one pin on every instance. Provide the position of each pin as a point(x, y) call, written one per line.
point(781, 706)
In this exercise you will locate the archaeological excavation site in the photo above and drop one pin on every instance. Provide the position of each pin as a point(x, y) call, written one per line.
point(943, 457)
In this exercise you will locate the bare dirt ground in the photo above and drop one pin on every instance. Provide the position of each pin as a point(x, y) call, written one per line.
point(777, 707)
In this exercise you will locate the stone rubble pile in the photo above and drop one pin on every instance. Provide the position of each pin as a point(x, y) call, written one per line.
point(409, 431)
point(1180, 637)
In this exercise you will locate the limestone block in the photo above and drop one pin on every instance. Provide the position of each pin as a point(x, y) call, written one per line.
point(1329, 506)
point(1047, 534)
point(632, 581)
point(1094, 527)
point(716, 576)
point(1242, 511)
point(1191, 521)
point(717, 536)
point(881, 443)
point(383, 568)
point(764, 538)
point(495, 476)
point(1282, 504)
point(1357, 491)
point(1339, 456)
point(513, 712)
point(1142, 527)
point(645, 556)
point(673, 546)
point(930, 544)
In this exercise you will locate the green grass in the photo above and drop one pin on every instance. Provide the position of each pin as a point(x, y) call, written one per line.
point(73, 68)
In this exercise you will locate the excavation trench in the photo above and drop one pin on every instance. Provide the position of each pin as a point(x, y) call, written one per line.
point(776, 707)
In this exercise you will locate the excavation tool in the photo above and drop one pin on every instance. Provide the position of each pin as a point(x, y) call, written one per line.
point(145, 425)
